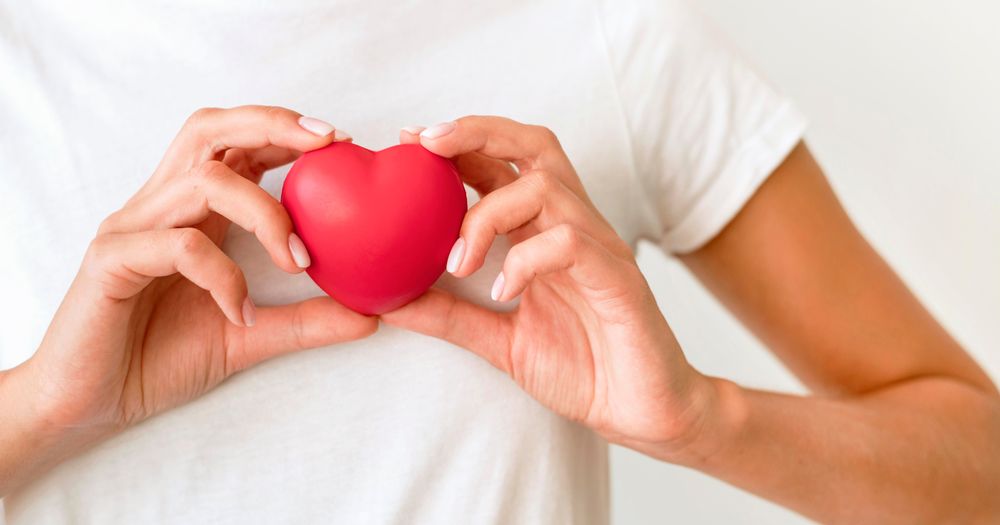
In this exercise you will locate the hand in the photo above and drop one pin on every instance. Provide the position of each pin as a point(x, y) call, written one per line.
point(158, 314)
point(587, 338)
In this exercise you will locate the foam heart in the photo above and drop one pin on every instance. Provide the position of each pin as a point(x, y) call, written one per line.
point(378, 225)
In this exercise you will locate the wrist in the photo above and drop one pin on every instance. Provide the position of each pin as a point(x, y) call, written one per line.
point(25, 413)
point(31, 435)
point(56, 413)
point(24, 436)
point(725, 424)
point(720, 414)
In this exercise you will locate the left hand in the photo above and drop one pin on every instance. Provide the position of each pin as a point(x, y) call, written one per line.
point(587, 339)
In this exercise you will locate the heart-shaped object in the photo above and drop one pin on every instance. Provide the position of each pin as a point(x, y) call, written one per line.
point(378, 225)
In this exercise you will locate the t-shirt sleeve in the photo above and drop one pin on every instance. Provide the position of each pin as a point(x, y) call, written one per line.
point(705, 129)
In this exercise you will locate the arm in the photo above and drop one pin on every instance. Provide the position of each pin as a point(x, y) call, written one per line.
point(158, 315)
point(905, 427)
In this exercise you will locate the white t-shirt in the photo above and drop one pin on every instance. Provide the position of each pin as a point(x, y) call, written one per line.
point(669, 129)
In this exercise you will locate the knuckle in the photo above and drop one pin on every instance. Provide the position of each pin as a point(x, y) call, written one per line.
point(190, 241)
point(233, 276)
point(197, 125)
point(270, 218)
point(99, 252)
point(200, 116)
point(568, 237)
point(212, 172)
point(475, 219)
point(274, 215)
point(545, 135)
point(516, 260)
point(110, 223)
point(274, 114)
point(471, 122)
point(542, 182)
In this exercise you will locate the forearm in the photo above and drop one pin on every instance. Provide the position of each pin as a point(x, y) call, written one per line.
point(920, 451)
point(29, 441)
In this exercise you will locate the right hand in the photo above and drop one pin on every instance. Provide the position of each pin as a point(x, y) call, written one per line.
point(158, 315)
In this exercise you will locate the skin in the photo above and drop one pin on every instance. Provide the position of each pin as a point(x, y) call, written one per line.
point(903, 427)
point(158, 315)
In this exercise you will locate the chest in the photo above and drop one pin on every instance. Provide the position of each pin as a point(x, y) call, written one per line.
point(95, 105)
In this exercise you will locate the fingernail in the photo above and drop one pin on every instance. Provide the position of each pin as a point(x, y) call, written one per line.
point(341, 135)
point(414, 130)
point(438, 130)
point(455, 257)
point(316, 126)
point(249, 312)
point(299, 253)
point(497, 290)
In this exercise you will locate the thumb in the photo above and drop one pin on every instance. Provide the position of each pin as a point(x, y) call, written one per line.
point(287, 328)
point(484, 174)
point(440, 314)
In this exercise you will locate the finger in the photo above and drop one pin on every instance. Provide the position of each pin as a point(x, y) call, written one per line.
point(538, 200)
point(282, 329)
point(214, 187)
point(253, 163)
point(123, 264)
point(484, 174)
point(529, 147)
point(270, 157)
point(410, 134)
point(440, 314)
point(209, 132)
point(497, 137)
point(562, 248)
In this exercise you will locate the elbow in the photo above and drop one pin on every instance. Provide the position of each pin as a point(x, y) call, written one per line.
point(976, 419)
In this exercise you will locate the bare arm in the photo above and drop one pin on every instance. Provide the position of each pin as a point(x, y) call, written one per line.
point(904, 427)
point(158, 315)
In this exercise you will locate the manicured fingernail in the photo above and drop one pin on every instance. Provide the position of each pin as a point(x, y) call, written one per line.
point(438, 130)
point(316, 126)
point(455, 257)
point(414, 130)
point(299, 253)
point(341, 135)
point(249, 312)
point(497, 290)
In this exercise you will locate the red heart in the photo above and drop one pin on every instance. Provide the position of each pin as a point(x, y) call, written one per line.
point(378, 225)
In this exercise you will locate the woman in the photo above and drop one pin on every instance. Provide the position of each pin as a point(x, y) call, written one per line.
point(141, 402)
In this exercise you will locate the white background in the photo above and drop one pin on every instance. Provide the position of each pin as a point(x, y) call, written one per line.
point(902, 98)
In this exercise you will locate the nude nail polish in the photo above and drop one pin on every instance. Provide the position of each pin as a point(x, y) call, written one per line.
point(438, 130)
point(455, 256)
point(249, 312)
point(316, 126)
point(299, 253)
point(498, 285)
